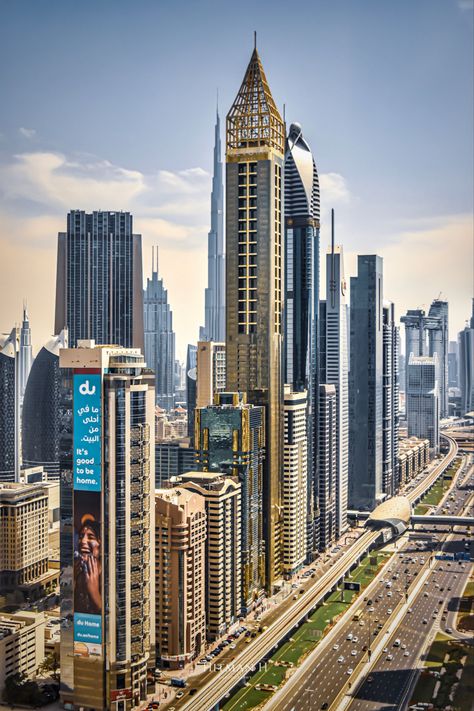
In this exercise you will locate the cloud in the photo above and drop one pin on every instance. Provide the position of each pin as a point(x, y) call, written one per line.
point(27, 132)
point(466, 5)
point(334, 189)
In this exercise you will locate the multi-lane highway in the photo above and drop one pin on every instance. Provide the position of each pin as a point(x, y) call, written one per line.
point(335, 667)
point(214, 690)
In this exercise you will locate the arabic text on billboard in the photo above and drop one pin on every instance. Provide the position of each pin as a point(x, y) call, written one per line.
point(87, 432)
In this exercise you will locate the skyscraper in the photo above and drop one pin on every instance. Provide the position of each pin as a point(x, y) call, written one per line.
point(191, 387)
point(422, 399)
point(302, 292)
point(10, 406)
point(453, 357)
point(366, 384)
point(466, 365)
point(42, 407)
point(214, 297)
point(295, 481)
point(25, 353)
point(99, 283)
point(390, 421)
point(254, 277)
point(327, 465)
point(427, 335)
point(335, 369)
point(230, 438)
point(107, 527)
point(159, 337)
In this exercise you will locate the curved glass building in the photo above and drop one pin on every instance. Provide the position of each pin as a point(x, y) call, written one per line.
point(41, 407)
point(302, 213)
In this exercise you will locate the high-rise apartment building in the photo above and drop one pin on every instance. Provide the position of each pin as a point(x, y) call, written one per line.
point(422, 399)
point(41, 423)
point(159, 337)
point(391, 416)
point(214, 297)
point(302, 213)
point(466, 365)
point(327, 465)
point(222, 495)
point(24, 537)
point(453, 357)
point(334, 368)
point(295, 481)
point(10, 406)
point(254, 277)
point(173, 459)
point(230, 438)
point(107, 525)
point(99, 283)
point(180, 569)
point(25, 352)
point(210, 371)
point(366, 384)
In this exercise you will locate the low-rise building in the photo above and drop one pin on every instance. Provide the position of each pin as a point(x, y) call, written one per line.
point(22, 647)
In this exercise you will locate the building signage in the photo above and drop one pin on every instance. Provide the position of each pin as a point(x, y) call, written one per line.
point(87, 432)
point(351, 586)
point(88, 535)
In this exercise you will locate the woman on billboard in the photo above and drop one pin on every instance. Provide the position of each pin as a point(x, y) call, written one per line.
point(88, 567)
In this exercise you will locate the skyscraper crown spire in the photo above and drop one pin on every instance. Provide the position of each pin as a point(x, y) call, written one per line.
point(253, 119)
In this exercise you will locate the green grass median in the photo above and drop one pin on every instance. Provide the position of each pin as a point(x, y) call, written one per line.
point(305, 639)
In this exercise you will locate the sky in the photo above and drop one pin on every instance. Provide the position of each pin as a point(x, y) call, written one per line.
point(110, 104)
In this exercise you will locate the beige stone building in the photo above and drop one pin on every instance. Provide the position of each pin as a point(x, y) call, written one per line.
point(24, 538)
point(180, 550)
point(210, 371)
point(21, 644)
point(223, 547)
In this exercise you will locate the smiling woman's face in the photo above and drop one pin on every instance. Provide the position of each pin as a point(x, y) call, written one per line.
point(88, 542)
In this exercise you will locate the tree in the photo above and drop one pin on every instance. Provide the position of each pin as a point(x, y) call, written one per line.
point(20, 690)
point(50, 665)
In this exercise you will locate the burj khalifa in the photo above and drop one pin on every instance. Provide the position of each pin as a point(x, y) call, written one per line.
point(214, 323)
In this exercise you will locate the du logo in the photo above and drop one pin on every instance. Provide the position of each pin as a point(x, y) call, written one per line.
point(86, 389)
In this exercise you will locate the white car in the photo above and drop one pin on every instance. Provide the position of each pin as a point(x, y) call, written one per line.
point(349, 671)
point(355, 639)
point(389, 657)
point(341, 659)
point(406, 653)
point(336, 647)
point(389, 611)
point(354, 652)
point(404, 646)
point(389, 594)
point(409, 610)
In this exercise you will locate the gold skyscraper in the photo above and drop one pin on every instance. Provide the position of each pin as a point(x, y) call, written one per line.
point(255, 142)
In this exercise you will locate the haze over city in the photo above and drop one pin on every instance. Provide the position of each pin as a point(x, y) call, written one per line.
point(111, 106)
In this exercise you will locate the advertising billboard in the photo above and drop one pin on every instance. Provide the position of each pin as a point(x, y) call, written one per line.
point(88, 545)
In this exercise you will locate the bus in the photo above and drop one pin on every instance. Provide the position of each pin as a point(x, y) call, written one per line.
point(358, 615)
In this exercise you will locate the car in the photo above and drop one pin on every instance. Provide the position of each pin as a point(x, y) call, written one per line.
point(354, 652)
point(349, 671)
point(192, 692)
point(449, 630)
point(335, 647)
point(202, 661)
point(443, 618)
point(180, 694)
point(424, 621)
point(410, 610)
point(371, 609)
point(434, 616)
point(355, 639)
point(425, 594)
point(349, 636)
point(385, 650)
point(364, 648)
point(341, 659)
point(389, 611)
point(406, 653)
point(370, 679)
point(325, 705)
point(233, 646)
point(389, 657)
point(403, 646)
point(389, 594)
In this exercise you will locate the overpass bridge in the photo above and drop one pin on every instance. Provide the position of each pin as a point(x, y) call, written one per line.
point(396, 513)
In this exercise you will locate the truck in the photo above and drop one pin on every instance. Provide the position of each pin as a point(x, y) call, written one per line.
point(176, 681)
point(357, 615)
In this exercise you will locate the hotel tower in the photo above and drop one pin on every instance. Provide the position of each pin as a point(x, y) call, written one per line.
point(255, 143)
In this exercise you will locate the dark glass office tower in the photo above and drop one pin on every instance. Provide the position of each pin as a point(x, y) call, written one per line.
point(214, 323)
point(10, 406)
point(159, 337)
point(302, 213)
point(366, 384)
point(254, 277)
point(99, 283)
point(191, 387)
point(41, 423)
